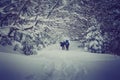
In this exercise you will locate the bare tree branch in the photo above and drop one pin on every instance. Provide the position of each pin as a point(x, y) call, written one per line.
point(52, 9)
point(28, 28)
point(20, 11)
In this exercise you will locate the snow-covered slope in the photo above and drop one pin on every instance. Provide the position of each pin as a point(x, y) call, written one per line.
point(54, 64)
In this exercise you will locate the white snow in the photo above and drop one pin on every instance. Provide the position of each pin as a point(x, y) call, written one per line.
point(4, 31)
point(54, 64)
point(8, 49)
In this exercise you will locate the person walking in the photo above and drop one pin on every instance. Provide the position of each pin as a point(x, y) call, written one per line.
point(62, 44)
point(67, 44)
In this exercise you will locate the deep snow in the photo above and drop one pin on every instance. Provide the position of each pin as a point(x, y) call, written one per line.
point(54, 64)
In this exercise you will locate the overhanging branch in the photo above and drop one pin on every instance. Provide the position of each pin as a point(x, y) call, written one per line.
point(52, 9)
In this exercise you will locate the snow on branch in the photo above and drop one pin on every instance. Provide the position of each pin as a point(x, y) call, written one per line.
point(22, 7)
point(52, 9)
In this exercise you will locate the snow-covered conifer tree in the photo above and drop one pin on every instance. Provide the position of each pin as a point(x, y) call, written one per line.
point(93, 39)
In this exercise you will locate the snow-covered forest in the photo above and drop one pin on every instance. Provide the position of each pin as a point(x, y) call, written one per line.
point(30, 25)
point(36, 27)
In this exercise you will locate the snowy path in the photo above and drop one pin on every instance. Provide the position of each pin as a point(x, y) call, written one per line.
point(54, 64)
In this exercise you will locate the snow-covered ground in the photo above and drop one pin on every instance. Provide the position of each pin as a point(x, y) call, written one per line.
point(54, 64)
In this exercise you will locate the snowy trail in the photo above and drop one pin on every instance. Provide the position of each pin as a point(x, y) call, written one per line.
point(54, 64)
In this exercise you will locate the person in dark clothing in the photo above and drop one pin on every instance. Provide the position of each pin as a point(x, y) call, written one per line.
point(62, 44)
point(67, 44)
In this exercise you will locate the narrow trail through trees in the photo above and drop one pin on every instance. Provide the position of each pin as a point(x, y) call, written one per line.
point(54, 64)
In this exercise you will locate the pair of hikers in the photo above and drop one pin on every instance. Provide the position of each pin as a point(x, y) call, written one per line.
point(65, 45)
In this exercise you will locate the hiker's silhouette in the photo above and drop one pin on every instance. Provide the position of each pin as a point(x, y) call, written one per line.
point(62, 44)
point(67, 44)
